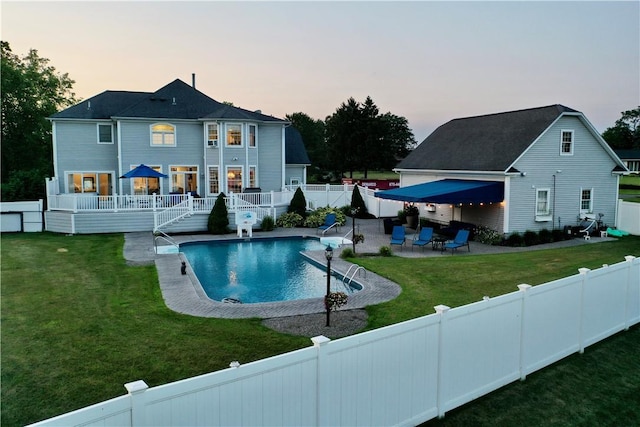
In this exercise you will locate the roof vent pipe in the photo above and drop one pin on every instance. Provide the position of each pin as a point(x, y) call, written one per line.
point(193, 80)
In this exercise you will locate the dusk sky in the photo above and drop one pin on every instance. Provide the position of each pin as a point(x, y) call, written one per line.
point(427, 61)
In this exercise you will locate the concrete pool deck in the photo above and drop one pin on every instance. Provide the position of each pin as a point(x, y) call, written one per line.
point(183, 293)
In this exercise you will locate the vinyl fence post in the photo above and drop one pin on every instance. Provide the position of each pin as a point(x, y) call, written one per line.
point(322, 384)
point(441, 310)
point(136, 391)
point(627, 309)
point(523, 309)
point(583, 272)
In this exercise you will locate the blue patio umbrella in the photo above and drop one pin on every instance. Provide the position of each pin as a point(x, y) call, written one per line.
point(143, 171)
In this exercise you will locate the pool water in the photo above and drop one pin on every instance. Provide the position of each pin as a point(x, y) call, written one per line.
point(260, 270)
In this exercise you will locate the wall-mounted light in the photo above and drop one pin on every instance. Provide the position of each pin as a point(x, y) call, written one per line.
point(235, 159)
point(523, 174)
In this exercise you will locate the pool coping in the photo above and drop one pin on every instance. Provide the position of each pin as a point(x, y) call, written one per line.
point(183, 293)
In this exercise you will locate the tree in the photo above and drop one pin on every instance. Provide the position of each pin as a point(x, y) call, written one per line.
point(360, 138)
point(298, 203)
point(32, 90)
point(625, 134)
point(312, 132)
point(218, 221)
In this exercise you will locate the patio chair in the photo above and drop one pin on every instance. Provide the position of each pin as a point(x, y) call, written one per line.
point(329, 222)
point(425, 237)
point(398, 236)
point(461, 239)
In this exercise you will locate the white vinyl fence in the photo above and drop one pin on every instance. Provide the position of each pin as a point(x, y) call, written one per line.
point(629, 217)
point(21, 216)
point(403, 374)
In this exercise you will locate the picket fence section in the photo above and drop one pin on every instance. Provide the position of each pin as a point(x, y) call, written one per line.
point(403, 374)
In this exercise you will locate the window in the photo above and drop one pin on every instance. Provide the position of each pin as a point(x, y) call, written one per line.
point(253, 135)
point(566, 143)
point(184, 179)
point(146, 186)
point(105, 134)
point(214, 180)
point(253, 179)
point(163, 135)
point(212, 135)
point(234, 135)
point(543, 207)
point(89, 182)
point(586, 200)
point(234, 179)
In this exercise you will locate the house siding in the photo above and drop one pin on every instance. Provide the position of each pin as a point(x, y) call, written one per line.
point(78, 141)
point(270, 156)
point(589, 167)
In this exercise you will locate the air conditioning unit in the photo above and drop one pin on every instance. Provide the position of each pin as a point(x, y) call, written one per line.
point(212, 143)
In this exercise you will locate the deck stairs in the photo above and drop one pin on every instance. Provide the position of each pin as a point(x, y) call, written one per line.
point(172, 214)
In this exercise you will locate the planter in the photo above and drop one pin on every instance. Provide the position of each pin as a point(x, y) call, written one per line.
point(412, 221)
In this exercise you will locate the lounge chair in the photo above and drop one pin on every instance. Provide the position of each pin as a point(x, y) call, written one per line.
point(461, 239)
point(398, 236)
point(329, 222)
point(425, 237)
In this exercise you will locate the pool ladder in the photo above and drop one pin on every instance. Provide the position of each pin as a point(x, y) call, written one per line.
point(158, 234)
point(346, 279)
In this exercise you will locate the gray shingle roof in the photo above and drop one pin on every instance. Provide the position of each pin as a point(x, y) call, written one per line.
point(177, 100)
point(295, 153)
point(483, 143)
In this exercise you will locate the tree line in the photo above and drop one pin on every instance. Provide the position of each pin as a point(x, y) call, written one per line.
point(356, 137)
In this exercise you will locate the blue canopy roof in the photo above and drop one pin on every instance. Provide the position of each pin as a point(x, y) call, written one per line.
point(143, 171)
point(451, 191)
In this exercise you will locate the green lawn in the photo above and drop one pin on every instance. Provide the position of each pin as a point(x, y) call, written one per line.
point(78, 323)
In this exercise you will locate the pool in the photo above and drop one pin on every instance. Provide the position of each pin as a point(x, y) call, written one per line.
point(260, 270)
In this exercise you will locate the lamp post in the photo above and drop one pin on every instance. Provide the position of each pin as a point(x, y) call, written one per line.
point(328, 254)
point(354, 211)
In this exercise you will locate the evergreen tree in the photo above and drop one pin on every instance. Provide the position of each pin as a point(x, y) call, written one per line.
point(357, 203)
point(298, 203)
point(218, 222)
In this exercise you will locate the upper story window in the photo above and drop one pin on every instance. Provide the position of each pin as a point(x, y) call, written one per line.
point(234, 134)
point(566, 143)
point(253, 135)
point(163, 135)
point(105, 133)
point(212, 135)
point(586, 200)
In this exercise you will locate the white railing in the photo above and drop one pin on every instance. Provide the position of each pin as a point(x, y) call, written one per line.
point(403, 374)
point(173, 214)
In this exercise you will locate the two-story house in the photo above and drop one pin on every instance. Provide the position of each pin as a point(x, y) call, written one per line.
point(202, 146)
point(522, 170)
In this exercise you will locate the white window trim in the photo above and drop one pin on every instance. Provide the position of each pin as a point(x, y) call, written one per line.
point(217, 167)
point(211, 143)
point(175, 135)
point(226, 176)
point(249, 126)
point(175, 172)
point(573, 141)
point(98, 133)
point(257, 183)
point(543, 216)
point(226, 133)
point(591, 200)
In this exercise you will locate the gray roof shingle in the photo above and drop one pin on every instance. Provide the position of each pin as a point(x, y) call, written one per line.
point(482, 143)
point(295, 153)
point(177, 100)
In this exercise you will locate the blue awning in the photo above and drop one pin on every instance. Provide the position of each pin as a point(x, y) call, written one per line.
point(451, 191)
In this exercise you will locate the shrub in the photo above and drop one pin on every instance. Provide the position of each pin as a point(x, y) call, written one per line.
point(558, 235)
point(544, 236)
point(402, 216)
point(289, 220)
point(347, 253)
point(335, 300)
point(268, 224)
point(487, 236)
point(298, 203)
point(218, 222)
point(530, 238)
point(385, 251)
point(514, 239)
point(316, 218)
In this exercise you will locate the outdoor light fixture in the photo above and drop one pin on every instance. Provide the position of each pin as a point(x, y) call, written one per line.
point(328, 254)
